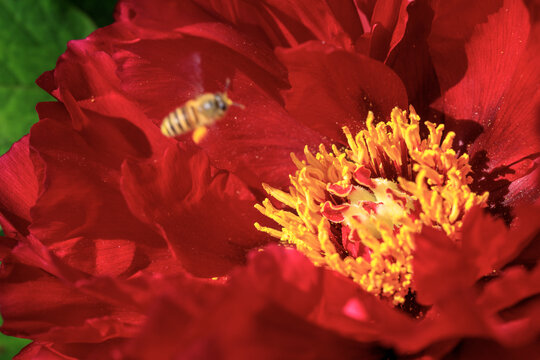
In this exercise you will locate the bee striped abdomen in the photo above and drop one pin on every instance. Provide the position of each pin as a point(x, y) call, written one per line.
point(192, 116)
point(167, 127)
point(180, 121)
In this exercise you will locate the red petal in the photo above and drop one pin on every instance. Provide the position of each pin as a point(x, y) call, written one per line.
point(319, 19)
point(490, 244)
point(349, 17)
point(265, 305)
point(18, 188)
point(206, 215)
point(40, 351)
point(512, 302)
point(437, 255)
point(332, 88)
point(94, 96)
point(388, 21)
point(87, 319)
point(500, 309)
point(525, 189)
point(411, 59)
point(290, 23)
point(513, 285)
point(489, 73)
point(61, 313)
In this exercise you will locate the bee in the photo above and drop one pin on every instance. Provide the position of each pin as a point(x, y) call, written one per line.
point(196, 114)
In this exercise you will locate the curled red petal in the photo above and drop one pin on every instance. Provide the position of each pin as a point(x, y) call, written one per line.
point(353, 243)
point(411, 57)
point(388, 21)
point(339, 190)
point(334, 213)
point(362, 175)
point(18, 188)
point(371, 206)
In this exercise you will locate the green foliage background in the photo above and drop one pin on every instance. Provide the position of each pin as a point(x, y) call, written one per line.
point(33, 34)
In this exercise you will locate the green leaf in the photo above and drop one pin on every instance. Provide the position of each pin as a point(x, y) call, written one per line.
point(10, 346)
point(33, 34)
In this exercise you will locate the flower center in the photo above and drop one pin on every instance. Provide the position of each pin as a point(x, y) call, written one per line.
point(356, 210)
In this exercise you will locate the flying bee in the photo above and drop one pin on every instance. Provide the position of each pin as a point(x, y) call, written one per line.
point(196, 114)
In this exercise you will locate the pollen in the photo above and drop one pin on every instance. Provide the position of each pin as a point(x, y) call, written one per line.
point(356, 210)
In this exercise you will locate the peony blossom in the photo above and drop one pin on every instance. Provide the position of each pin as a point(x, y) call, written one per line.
point(322, 220)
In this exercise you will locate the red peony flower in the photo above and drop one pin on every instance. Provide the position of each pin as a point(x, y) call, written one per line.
point(123, 243)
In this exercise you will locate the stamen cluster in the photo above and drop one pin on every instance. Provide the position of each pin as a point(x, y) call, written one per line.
point(357, 210)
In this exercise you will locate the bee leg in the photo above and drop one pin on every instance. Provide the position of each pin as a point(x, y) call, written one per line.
point(199, 133)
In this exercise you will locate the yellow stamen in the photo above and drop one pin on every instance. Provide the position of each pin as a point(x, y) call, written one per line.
point(356, 210)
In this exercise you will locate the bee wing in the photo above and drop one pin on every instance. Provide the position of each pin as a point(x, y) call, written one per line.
point(188, 78)
point(197, 74)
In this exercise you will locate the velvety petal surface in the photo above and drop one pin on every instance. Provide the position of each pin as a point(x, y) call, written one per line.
point(206, 215)
point(290, 23)
point(332, 88)
point(490, 75)
point(80, 213)
point(38, 305)
point(257, 314)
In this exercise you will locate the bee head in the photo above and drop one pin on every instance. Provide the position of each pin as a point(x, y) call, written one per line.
point(223, 102)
